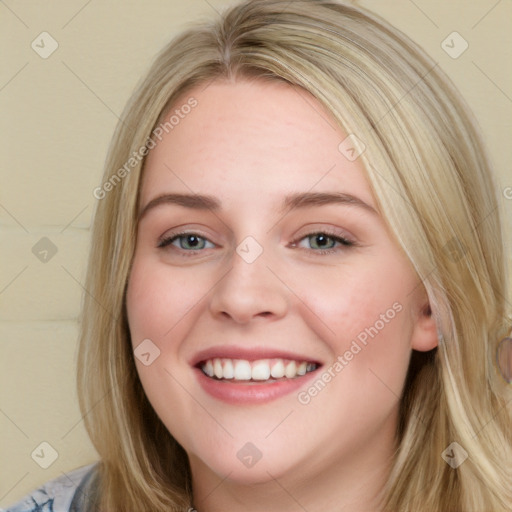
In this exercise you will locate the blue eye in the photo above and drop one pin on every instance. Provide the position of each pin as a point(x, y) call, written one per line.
point(320, 243)
point(324, 243)
point(186, 242)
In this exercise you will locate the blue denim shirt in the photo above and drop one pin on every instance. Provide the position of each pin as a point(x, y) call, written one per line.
point(71, 492)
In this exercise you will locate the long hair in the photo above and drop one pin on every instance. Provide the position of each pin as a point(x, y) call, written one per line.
point(427, 168)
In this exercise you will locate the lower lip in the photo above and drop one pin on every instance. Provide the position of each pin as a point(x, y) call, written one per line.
point(234, 392)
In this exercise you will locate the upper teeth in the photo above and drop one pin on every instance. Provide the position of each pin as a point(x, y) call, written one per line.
point(262, 369)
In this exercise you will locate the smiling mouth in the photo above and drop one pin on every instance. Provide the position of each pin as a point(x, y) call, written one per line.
point(259, 371)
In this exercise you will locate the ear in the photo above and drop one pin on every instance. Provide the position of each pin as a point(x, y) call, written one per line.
point(424, 335)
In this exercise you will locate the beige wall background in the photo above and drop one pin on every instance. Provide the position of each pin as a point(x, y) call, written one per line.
point(58, 115)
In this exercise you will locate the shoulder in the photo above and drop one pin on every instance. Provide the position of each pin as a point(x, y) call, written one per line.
point(63, 494)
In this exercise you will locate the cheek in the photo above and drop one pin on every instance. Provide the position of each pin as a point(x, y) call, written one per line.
point(158, 299)
point(359, 299)
point(370, 327)
point(160, 306)
point(366, 321)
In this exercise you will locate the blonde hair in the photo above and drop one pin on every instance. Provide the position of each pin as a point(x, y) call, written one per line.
point(427, 168)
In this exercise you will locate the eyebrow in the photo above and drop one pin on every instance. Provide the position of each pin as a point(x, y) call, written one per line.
point(291, 202)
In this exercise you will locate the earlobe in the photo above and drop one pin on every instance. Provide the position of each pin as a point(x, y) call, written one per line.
point(424, 336)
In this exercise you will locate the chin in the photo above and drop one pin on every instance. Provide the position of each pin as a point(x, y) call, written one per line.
point(247, 465)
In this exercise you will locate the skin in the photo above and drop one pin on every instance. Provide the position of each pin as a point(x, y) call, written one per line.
point(249, 144)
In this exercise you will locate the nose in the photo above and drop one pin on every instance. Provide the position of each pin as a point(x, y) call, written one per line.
point(248, 291)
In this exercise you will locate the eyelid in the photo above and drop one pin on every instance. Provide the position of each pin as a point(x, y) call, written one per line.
point(333, 232)
point(190, 228)
point(166, 239)
point(343, 240)
point(340, 236)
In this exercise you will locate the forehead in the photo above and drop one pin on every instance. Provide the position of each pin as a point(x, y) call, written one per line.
point(261, 137)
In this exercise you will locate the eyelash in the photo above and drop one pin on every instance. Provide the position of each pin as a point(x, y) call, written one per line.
point(344, 242)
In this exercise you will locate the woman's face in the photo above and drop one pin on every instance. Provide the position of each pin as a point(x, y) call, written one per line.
point(260, 256)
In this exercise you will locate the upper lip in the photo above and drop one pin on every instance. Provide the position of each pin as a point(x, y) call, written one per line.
point(248, 354)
